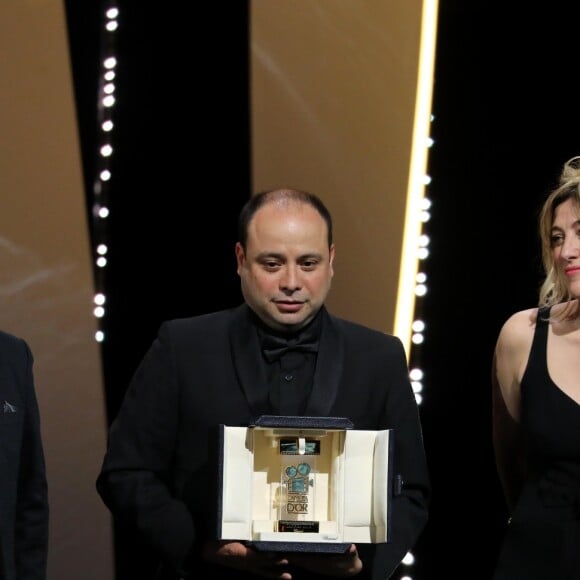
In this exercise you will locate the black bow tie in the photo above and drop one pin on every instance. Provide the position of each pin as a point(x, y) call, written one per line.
point(274, 347)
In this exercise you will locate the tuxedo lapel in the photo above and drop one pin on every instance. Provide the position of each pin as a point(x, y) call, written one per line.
point(247, 358)
point(328, 369)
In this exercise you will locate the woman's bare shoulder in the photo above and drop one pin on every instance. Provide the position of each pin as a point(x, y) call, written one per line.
point(519, 327)
point(510, 358)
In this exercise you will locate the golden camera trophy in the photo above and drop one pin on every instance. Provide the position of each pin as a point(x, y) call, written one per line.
point(297, 484)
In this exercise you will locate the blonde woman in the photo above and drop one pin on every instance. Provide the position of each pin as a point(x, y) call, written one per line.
point(536, 405)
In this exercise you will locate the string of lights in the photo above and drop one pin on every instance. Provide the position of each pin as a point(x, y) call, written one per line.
point(101, 185)
point(418, 325)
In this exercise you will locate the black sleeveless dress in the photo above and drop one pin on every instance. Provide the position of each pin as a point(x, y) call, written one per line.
point(542, 540)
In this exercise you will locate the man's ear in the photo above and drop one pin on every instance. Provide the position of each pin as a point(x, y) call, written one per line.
point(331, 258)
point(240, 255)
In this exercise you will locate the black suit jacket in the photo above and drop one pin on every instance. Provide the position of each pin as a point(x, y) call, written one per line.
point(23, 487)
point(204, 371)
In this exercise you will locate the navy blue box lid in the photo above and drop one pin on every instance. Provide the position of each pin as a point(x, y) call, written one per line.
point(298, 422)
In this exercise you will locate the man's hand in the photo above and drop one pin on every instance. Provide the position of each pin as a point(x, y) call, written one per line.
point(335, 565)
point(276, 565)
point(241, 557)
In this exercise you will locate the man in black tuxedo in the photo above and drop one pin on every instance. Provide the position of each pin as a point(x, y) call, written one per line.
point(279, 353)
point(23, 487)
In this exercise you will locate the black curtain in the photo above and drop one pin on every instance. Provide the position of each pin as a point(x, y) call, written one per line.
point(180, 174)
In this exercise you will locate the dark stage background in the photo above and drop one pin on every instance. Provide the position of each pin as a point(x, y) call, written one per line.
point(506, 118)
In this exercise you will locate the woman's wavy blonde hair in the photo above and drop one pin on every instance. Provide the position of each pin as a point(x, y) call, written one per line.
point(555, 288)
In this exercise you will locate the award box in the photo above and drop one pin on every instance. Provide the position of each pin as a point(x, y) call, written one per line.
point(309, 484)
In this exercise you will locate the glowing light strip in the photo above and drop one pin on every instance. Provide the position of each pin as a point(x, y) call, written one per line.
point(408, 270)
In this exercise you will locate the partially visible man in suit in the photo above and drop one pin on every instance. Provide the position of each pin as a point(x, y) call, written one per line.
point(279, 353)
point(23, 486)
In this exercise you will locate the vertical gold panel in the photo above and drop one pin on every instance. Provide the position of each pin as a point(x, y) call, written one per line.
point(333, 92)
point(46, 284)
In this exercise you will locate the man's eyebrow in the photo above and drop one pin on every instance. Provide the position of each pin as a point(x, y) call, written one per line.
point(283, 258)
point(270, 255)
point(311, 255)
